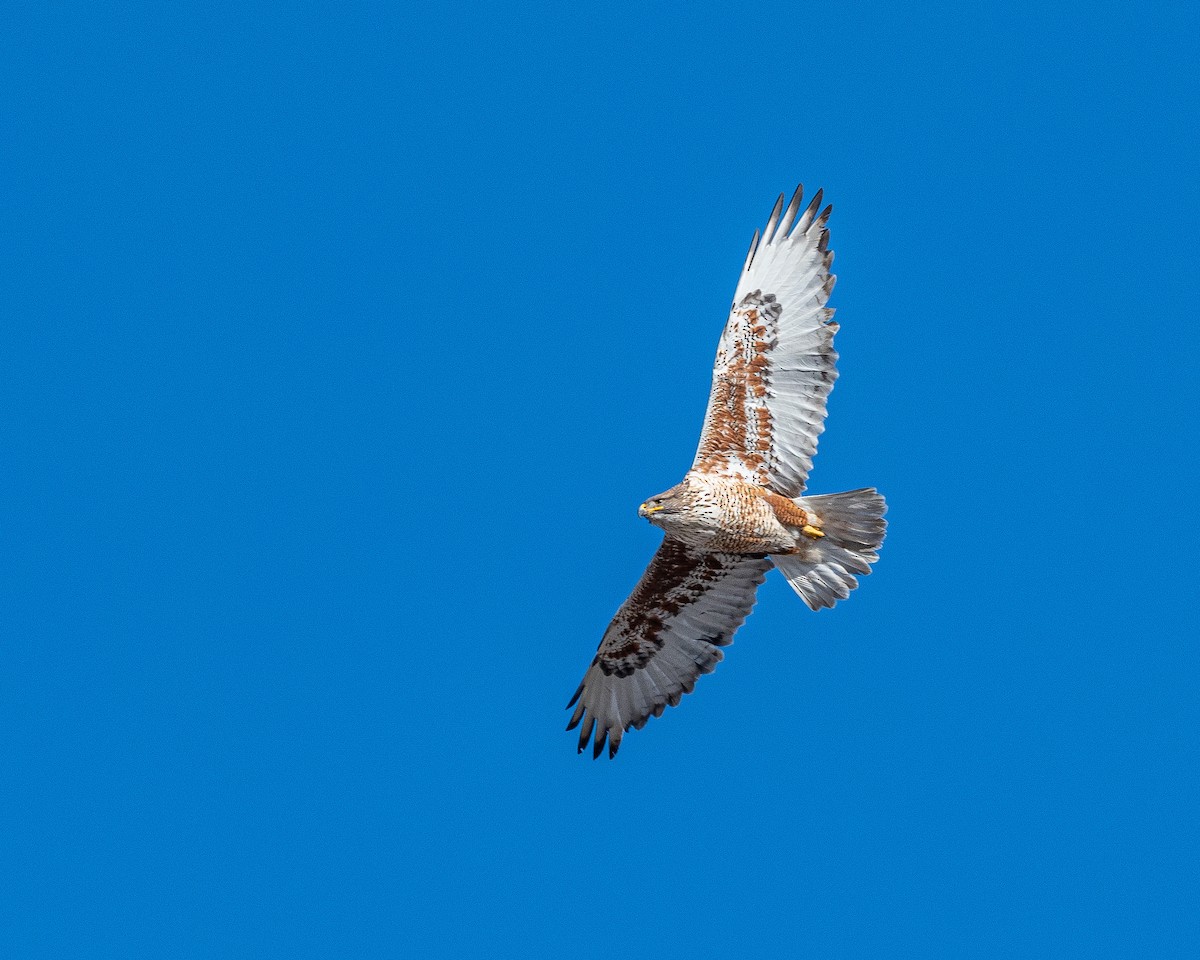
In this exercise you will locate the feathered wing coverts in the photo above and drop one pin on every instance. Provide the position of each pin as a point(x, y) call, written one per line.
point(684, 609)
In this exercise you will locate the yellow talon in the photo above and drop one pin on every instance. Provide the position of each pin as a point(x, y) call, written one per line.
point(810, 531)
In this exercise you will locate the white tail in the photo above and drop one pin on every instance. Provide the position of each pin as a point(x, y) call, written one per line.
point(822, 569)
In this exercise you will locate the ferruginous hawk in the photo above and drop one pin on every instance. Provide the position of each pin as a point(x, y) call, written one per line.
point(739, 511)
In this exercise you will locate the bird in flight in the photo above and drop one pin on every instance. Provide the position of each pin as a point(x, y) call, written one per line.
point(739, 510)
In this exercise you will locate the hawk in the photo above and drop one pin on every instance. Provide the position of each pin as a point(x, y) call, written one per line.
point(739, 510)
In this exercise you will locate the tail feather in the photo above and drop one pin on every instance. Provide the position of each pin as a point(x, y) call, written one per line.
point(822, 569)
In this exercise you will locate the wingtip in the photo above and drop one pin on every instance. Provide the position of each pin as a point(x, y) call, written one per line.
point(769, 229)
point(750, 253)
point(574, 698)
point(810, 214)
point(585, 734)
point(789, 215)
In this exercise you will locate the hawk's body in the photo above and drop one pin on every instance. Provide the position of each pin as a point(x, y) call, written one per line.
point(739, 510)
point(728, 514)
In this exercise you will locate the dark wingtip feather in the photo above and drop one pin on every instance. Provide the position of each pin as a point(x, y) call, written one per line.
point(750, 253)
point(805, 221)
point(789, 215)
point(769, 229)
point(585, 733)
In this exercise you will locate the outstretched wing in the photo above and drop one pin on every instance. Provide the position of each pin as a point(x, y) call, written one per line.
point(686, 606)
point(775, 363)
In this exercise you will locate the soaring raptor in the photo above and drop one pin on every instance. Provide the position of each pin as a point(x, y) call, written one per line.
point(739, 511)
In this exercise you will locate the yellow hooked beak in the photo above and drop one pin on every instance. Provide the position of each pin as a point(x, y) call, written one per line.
point(644, 510)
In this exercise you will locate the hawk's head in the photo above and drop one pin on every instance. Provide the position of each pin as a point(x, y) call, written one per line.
point(658, 510)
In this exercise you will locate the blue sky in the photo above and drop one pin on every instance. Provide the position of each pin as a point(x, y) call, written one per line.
point(341, 343)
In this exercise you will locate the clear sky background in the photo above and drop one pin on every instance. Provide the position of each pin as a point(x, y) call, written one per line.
point(340, 344)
